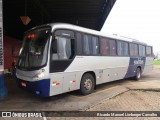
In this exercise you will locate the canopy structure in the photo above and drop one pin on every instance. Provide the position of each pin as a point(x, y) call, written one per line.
point(87, 13)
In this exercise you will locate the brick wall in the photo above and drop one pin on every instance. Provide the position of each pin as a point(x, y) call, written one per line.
point(11, 50)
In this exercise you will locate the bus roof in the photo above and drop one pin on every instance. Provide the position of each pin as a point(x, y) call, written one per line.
point(89, 31)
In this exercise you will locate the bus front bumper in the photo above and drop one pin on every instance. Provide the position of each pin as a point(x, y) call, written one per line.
point(40, 88)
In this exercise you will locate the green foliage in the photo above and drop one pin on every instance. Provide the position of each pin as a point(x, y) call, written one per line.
point(156, 62)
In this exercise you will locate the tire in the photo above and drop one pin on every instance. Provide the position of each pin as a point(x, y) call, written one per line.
point(87, 84)
point(138, 74)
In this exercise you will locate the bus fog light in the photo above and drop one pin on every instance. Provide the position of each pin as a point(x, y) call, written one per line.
point(37, 92)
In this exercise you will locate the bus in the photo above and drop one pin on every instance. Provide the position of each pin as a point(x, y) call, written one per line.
point(58, 58)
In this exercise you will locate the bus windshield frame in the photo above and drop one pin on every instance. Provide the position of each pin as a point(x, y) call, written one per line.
point(34, 51)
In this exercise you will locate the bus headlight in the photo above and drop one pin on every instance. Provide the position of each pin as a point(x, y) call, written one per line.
point(40, 75)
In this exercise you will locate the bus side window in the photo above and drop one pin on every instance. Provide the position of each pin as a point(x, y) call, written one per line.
point(142, 50)
point(105, 47)
point(79, 43)
point(95, 45)
point(125, 49)
point(61, 48)
point(90, 45)
point(133, 49)
point(148, 51)
point(87, 44)
point(112, 47)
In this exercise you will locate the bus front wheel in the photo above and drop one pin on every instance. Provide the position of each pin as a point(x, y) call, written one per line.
point(138, 74)
point(87, 84)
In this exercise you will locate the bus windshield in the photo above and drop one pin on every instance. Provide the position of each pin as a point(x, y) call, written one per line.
point(34, 49)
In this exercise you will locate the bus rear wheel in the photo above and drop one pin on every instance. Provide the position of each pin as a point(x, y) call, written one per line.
point(138, 74)
point(87, 84)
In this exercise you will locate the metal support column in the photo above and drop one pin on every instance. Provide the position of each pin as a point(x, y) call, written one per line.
point(3, 90)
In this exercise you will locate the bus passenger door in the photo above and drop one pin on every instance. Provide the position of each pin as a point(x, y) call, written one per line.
point(62, 53)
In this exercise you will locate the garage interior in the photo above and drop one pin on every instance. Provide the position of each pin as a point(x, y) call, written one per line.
point(86, 13)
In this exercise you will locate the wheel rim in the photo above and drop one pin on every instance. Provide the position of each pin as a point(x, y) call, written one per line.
point(88, 84)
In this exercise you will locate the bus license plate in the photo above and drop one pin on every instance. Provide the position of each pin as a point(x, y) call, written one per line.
point(23, 84)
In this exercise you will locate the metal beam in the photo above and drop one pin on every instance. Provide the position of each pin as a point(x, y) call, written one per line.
point(42, 8)
point(106, 9)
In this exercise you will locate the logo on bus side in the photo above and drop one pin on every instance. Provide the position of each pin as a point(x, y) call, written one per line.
point(139, 61)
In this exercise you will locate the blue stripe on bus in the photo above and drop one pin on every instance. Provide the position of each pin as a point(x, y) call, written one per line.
point(134, 62)
point(40, 88)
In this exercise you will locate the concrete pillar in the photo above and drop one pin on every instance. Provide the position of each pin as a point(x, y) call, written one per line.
point(3, 90)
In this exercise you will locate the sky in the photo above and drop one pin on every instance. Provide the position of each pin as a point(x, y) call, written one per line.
point(137, 19)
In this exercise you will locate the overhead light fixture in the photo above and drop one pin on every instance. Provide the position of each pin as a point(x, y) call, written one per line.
point(25, 19)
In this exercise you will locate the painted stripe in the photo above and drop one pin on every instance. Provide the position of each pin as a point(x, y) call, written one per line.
point(134, 62)
point(55, 84)
point(72, 81)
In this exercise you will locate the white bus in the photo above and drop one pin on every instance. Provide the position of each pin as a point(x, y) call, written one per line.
point(58, 58)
